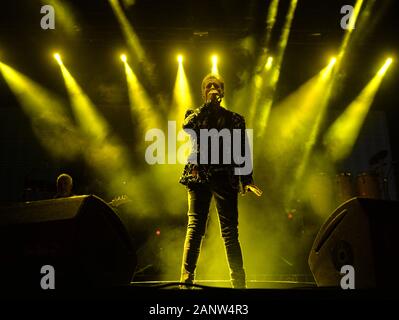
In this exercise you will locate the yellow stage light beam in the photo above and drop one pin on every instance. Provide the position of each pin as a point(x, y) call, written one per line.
point(324, 85)
point(369, 18)
point(327, 72)
point(104, 152)
point(256, 86)
point(349, 31)
point(385, 67)
point(142, 108)
point(341, 136)
point(343, 50)
point(140, 103)
point(130, 34)
point(57, 57)
point(182, 101)
point(182, 98)
point(214, 59)
point(283, 41)
point(89, 119)
point(269, 63)
point(46, 111)
point(294, 116)
point(132, 39)
point(292, 131)
point(275, 71)
point(271, 20)
point(123, 57)
point(258, 82)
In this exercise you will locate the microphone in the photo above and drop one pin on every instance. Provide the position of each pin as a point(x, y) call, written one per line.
point(214, 96)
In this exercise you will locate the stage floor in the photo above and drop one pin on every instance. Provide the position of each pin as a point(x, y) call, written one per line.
point(251, 284)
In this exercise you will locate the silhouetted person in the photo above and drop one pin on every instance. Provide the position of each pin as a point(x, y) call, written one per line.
point(64, 186)
point(205, 179)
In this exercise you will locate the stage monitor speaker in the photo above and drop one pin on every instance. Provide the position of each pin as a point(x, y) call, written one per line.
point(362, 233)
point(81, 237)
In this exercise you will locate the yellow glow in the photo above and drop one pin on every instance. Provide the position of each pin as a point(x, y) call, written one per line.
point(182, 99)
point(348, 34)
point(294, 125)
point(296, 115)
point(355, 14)
point(215, 69)
point(269, 63)
point(57, 57)
point(385, 67)
point(89, 119)
point(123, 57)
point(49, 120)
point(344, 48)
point(140, 102)
point(275, 73)
point(320, 96)
point(214, 59)
point(103, 151)
point(271, 19)
point(328, 70)
point(130, 35)
point(180, 58)
point(341, 136)
point(255, 89)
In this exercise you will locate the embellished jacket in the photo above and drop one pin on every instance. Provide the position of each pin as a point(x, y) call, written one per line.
point(198, 171)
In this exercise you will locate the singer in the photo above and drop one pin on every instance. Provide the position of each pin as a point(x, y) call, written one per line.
point(218, 180)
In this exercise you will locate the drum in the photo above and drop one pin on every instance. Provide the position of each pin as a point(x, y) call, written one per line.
point(368, 186)
point(344, 187)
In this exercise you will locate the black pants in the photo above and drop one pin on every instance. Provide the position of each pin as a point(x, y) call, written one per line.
point(199, 199)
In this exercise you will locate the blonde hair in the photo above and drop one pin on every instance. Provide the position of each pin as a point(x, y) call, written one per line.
point(207, 78)
point(64, 180)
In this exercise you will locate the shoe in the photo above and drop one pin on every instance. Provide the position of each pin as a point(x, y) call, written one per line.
point(186, 280)
point(239, 284)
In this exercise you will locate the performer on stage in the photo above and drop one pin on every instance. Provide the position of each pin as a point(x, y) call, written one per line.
point(64, 186)
point(206, 179)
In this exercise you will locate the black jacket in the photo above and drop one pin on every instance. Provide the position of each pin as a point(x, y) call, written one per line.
point(213, 117)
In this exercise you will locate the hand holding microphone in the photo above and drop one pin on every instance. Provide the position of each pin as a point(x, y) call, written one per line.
point(254, 189)
point(214, 94)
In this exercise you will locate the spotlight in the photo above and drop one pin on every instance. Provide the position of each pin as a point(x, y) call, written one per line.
point(215, 64)
point(385, 67)
point(180, 58)
point(269, 63)
point(326, 72)
point(214, 59)
point(123, 57)
point(57, 57)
